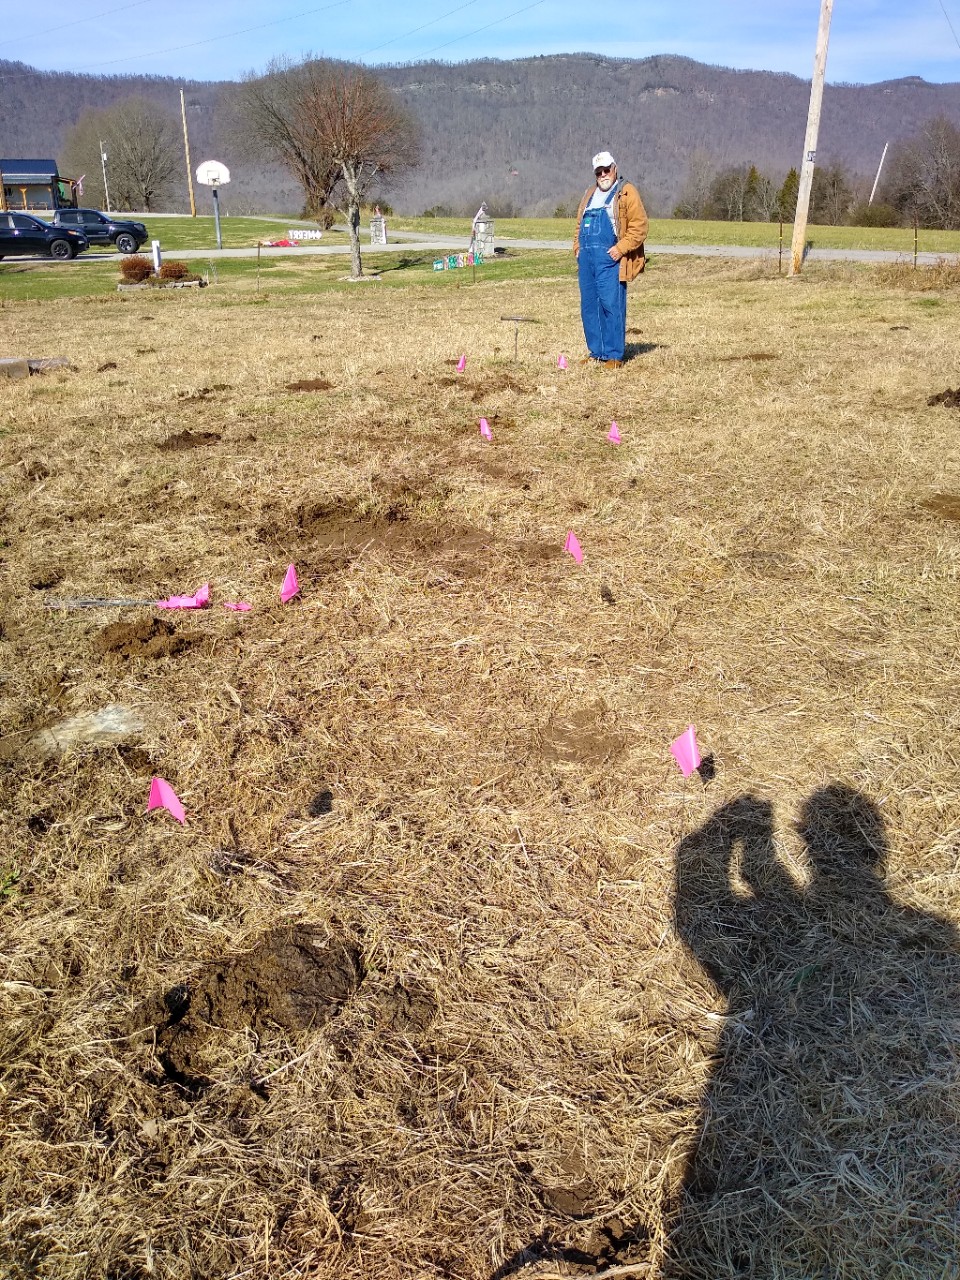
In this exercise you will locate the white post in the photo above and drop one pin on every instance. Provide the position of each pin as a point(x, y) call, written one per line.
point(810, 142)
point(155, 246)
point(877, 178)
point(103, 162)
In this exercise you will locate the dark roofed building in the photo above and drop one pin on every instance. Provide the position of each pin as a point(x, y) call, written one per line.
point(34, 184)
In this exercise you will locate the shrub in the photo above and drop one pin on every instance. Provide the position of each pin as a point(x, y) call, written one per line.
point(874, 215)
point(135, 268)
point(174, 271)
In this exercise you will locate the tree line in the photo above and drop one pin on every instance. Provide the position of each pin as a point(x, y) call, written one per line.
point(919, 183)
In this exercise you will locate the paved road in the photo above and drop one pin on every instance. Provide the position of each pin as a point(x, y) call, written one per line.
point(405, 241)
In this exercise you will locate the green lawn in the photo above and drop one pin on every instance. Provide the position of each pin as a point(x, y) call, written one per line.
point(236, 278)
point(679, 231)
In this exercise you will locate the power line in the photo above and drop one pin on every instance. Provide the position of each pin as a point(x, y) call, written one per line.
point(949, 23)
point(422, 27)
point(63, 26)
point(227, 35)
point(466, 36)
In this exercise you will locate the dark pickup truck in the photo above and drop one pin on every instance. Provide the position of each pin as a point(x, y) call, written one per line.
point(101, 228)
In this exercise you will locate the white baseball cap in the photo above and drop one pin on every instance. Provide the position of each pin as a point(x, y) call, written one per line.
point(602, 159)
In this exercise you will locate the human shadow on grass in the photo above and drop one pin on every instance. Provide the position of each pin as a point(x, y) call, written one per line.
point(405, 261)
point(634, 349)
point(830, 1139)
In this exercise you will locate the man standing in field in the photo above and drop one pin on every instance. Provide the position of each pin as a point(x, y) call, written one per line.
point(608, 245)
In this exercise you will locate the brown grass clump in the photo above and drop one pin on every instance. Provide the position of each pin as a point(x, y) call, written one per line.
point(944, 274)
point(173, 270)
point(449, 972)
point(135, 267)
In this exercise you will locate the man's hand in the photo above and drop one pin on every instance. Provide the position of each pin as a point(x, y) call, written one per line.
point(614, 253)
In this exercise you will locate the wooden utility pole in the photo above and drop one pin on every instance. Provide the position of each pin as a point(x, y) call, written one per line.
point(879, 168)
point(186, 151)
point(810, 142)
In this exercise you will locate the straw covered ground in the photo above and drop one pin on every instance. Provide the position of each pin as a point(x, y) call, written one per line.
point(450, 973)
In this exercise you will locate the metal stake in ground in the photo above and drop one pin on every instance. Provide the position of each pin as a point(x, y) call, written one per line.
point(517, 321)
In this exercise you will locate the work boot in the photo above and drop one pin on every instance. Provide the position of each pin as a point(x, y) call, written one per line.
point(611, 364)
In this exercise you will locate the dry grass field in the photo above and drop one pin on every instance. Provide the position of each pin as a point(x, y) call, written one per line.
point(450, 973)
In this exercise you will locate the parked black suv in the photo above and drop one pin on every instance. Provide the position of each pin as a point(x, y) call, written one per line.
point(21, 233)
point(101, 228)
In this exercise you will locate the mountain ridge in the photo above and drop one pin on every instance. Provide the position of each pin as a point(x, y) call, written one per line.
point(520, 132)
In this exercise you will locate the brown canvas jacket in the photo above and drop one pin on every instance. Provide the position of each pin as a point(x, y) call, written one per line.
point(630, 223)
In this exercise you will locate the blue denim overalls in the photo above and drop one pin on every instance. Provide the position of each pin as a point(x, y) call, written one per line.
point(603, 299)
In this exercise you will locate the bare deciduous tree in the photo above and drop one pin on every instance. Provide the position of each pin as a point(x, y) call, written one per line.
point(142, 144)
point(336, 126)
point(694, 199)
point(366, 132)
point(832, 196)
point(270, 117)
point(924, 175)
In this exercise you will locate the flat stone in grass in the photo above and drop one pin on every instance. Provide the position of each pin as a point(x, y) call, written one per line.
point(16, 368)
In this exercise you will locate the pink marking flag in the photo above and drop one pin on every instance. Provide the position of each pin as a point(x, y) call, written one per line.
point(613, 435)
point(237, 606)
point(163, 796)
point(561, 362)
point(686, 752)
point(572, 547)
point(291, 585)
point(485, 429)
point(198, 601)
point(461, 364)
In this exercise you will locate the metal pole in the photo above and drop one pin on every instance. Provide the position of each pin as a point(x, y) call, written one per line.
point(810, 142)
point(877, 178)
point(216, 215)
point(916, 235)
point(780, 258)
point(103, 162)
point(186, 151)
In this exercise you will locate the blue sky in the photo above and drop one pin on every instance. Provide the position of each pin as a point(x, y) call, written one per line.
point(213, 39)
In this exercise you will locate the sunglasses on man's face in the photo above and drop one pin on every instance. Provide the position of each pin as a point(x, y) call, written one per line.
point(604, 168)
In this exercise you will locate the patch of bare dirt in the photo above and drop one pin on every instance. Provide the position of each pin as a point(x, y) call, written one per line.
point(187, 439)
point(295, 979)
point(310, 384)
point(494, 383)
point(496, 471)
point(949, 398)
point(580, 736)
point(338, 533)
point(143, 638)
point(410, 1010)
point(946, 505)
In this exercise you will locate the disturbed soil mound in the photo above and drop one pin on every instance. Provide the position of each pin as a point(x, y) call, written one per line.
point(580, 737)
point(949, 398)
point(410, 1010)
point(944, 504)
point(188, 439)
point(341, 535)
point(310, 384)
point(497, 382)
point(293, 980)
point(144, 638)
